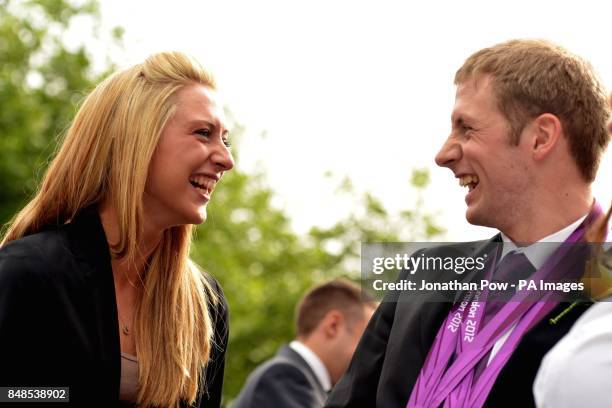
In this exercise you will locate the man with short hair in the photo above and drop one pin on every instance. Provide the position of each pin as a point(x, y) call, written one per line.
point(330, 319)
point(527, 136)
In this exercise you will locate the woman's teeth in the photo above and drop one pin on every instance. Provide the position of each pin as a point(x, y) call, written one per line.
point(205, 184)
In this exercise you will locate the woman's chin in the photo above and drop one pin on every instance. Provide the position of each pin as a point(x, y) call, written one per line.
point(202, 214)
point(194, 217)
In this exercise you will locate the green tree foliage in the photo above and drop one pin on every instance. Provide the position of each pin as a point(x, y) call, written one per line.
point(247, 243)
point(40, 83)
point(264, 267)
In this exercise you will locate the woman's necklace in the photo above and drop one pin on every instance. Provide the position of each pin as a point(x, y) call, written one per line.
point(125, 329)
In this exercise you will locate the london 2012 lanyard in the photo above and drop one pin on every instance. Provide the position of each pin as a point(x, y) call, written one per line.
point(449, 341)
point(454, 386)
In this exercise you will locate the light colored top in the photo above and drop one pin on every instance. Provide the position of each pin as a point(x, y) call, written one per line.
point(314, 362)
point(128, 387)
point(577, 372)
point(537, 255)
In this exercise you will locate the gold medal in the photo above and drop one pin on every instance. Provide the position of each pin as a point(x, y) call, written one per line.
point(597, 276)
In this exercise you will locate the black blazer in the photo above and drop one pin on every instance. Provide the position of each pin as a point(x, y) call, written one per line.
point(58, 317)
point(285, 381)
point(393, 349)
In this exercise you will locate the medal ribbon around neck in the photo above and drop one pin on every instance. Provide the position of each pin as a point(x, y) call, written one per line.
point(456, 387)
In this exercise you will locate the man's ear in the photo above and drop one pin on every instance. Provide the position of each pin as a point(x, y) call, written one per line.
point(546, 130)
point(332, 323)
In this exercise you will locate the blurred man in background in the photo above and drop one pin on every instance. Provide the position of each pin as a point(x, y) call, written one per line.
point(330, 320)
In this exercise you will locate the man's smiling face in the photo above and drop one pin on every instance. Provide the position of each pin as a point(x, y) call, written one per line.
point(480, 154)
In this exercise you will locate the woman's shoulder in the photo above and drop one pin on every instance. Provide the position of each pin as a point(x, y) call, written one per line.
point(48, 242)
point(32, 256)
point(219, 313)
point(217, 302)
point(218, 310)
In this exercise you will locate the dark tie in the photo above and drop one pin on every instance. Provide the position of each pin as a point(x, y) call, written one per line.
point(514, 267)
point(511, 269)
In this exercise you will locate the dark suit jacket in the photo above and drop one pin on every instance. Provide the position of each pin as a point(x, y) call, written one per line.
point(395, 344)
point(285, 381)
point(58, 317)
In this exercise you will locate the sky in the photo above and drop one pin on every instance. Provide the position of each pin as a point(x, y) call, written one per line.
point(357, 88)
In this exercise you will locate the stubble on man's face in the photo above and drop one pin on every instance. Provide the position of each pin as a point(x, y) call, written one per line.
point(482, 149)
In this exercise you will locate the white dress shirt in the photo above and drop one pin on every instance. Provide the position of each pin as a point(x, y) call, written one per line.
point(314, 362)
point(577, 372)
point(537, 255)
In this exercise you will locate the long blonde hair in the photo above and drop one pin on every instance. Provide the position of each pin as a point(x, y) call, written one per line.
point(105, 156)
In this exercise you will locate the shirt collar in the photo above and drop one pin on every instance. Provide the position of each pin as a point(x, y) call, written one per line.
point(314, 362)
point(538, 254)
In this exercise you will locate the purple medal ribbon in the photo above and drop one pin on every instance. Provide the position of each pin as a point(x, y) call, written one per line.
point(442, 350)
point(468, 333)
point(455, 386)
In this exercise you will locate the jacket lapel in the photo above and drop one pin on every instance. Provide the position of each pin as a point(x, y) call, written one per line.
point(88, 243)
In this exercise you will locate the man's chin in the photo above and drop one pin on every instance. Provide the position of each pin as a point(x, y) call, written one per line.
point(488, 220)
point(474, 217)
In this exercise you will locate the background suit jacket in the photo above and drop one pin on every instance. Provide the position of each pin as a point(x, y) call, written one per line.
point(58, 317)
point(395, 344)
point(285, 381)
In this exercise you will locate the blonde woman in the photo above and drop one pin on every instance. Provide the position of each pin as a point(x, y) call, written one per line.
point(97, 292)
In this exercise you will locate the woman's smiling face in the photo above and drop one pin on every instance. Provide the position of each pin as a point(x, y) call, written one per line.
point(190, 158)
